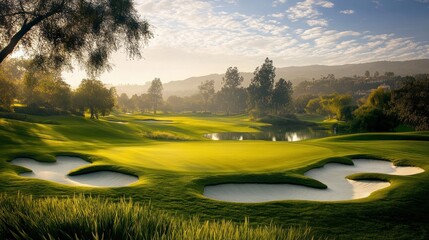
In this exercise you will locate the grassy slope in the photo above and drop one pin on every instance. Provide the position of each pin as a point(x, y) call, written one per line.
point(95, 218)
point(173, 172)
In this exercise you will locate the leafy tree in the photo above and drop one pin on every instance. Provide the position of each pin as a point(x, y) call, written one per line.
point(155, 94)
point(133, 102)
point(144, 102)
point(207, 92)
point(314, 106)
point(261, 87)
point(282, 95)
point(375, 114)
point(411, 103)
point(339, 105)
point(108, 102)
point(379, 98)
point(376, 74)
point(94, 96)
point(123, 102)
point(367, 118)
point(7, 93)
point(43, 88)
point(301, 102)
point(367, 74)
point(57, 31)
point(13, 69)
point(229, 93)
point(55, 93)
point(232, 78)
point(389, 74)
point(175, 103)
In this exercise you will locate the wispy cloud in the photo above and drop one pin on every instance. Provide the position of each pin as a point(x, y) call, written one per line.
point(278, 2)
point(278, 15)
point(347, 12)
point(317, 22)
point(377, 3)
point(198, 27)
point(307, 9)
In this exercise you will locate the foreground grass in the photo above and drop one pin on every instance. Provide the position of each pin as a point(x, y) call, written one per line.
point(79, 217)
point(174, 163)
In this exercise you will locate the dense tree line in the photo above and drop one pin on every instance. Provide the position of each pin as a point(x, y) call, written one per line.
point(265, 96)
point(43, 91)
point(357, 86)
point(382, 110)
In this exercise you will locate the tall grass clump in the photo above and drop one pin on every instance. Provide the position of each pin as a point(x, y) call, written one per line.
point(80, 217)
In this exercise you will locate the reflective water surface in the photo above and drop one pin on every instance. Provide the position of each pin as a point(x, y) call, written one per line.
point(273, 134)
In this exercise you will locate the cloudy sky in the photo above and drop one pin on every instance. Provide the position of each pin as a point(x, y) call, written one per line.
point(199, 37)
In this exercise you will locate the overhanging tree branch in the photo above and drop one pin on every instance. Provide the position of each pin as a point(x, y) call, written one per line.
point(84, 30)
point(21, 33)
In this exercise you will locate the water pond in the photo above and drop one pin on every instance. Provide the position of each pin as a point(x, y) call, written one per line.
point(273, 134)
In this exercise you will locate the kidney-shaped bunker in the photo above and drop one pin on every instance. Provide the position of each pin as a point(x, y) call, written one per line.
point(332, 175)
point(58, 172)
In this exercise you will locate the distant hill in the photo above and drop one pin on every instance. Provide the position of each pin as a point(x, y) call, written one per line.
point(296, 75)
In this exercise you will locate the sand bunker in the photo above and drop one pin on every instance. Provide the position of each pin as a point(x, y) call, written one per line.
point(57, 172)
point(332, 174)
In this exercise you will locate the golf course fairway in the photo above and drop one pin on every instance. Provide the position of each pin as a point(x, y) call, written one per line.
point(174, 162)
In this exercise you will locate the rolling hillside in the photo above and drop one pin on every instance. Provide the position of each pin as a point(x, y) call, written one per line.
point(295, 74)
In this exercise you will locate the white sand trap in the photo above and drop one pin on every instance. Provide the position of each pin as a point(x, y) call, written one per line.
point(57, 172)
point(332, 174)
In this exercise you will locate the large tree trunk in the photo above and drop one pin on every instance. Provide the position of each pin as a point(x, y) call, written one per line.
point(92, 112)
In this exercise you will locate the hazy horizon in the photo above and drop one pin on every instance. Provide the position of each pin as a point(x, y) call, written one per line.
point(196, 38)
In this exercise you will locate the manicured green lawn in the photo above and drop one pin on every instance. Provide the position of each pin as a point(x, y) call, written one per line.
point(174, 162)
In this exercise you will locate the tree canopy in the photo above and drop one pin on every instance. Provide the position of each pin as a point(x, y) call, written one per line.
point(207, 92)
point(94, 96)
point(230, 93)
point(411, 103)
point(232, 79)
point(155, 94)
point(282, 95)
point(55, 32)
point(261, 86)
point(7, 93)
point(45, 89)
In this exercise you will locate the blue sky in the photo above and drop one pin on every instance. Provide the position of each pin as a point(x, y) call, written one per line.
point(199, 37)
